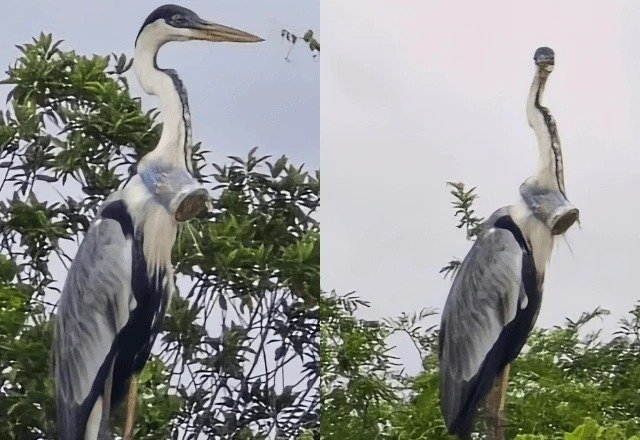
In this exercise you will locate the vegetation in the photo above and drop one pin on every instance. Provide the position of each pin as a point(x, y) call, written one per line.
point(239, 353)
point(565, 385)
point(308, 38)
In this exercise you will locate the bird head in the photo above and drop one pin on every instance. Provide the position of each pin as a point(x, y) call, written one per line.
point(176, 23)
point(544, 58)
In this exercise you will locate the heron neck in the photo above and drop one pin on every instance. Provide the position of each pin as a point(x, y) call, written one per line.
point(550, 169)
point(157, 225)
point(536, 233)
point(174, 146)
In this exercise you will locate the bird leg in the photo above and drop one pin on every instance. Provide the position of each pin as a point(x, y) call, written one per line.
point(132, 398)
point(105, 425)
point(494, 407)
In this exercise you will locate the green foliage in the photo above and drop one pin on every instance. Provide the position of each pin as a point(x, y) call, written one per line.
point(463, 206)
point(591, 430)
point(308, 38)
point(589, 391)
point(463, 209)
point(549, 393)
point(256, 260)
point(249, 268)
point(26, 397)
point(357, 390)
point(564, 385)
point(8, 269)
point(257, 233)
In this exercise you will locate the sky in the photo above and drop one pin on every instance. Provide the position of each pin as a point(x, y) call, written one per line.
point(241, 96)
point(427, 92)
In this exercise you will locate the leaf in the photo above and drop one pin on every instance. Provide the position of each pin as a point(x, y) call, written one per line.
point(278, 167)
point(223, 302)
point(8, 269)
point(45, 178)
point(280, 352)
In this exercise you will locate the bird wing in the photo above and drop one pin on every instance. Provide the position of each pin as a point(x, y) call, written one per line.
point(484, 298)
point(94, 306)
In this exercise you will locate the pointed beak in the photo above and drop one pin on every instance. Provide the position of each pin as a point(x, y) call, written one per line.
point(208, 31)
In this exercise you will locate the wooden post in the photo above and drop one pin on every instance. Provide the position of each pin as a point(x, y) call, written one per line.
point(494, 407)
point(132, 399)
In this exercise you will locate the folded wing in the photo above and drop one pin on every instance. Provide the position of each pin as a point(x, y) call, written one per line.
point(94, 306)
point(475, 337)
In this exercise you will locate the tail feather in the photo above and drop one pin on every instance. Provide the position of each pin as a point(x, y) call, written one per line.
point(460, 399)
point(67, 417)
point(74, 422)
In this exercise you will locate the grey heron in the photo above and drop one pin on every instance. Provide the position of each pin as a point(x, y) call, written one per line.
point(495, 297)
point(121, 280)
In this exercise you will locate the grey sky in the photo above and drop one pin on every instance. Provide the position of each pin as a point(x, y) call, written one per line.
point(240, 96)
point(417, 95)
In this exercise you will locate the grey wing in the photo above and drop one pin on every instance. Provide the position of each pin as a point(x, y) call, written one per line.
point(94, 306)
point(484, 297)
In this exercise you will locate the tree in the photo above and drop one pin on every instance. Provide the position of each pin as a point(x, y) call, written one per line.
point(308, 38)
point(564, 385)
point(588, 392)
point(356, 383)
point(239, 353)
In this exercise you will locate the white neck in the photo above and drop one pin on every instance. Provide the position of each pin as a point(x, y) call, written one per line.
point(171, 147)
point(157, 224)
point(550, 170)
point(536, 233)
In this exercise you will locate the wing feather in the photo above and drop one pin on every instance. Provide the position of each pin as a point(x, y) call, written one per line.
point(94, 306)
point(484, 298)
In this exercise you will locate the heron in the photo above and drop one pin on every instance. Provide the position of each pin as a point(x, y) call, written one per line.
point(121, 280)
point(495, 297)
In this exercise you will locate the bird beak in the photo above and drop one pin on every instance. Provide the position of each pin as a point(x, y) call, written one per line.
point(208, 31)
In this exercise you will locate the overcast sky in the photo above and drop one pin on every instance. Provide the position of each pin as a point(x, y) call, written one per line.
point(240, 96)
point(429, 92)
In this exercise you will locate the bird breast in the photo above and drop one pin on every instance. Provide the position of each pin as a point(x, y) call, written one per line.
point(536, 233)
